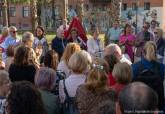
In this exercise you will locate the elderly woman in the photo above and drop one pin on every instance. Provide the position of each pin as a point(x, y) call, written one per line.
point(94, 94)
point(59, 43)
point(4, 34)
point(44, 80)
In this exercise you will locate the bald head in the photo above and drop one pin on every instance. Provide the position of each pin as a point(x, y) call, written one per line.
point(137, 96)
point(113, 49)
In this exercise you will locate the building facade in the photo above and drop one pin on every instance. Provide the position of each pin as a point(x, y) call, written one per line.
point(95, 11)
point(138, 11)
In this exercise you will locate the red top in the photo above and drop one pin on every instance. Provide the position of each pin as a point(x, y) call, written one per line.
point(2, 39)
point(111, 80)
point(118, 87)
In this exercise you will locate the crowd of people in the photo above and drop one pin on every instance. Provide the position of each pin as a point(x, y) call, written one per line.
point(122, 75)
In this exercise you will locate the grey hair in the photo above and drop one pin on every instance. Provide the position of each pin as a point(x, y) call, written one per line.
point(27, 36)
point(112, 48)
point(3, 75)
point(5, 29)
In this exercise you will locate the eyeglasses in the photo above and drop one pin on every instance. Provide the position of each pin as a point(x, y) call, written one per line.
point(14, 32)
point(155, 32)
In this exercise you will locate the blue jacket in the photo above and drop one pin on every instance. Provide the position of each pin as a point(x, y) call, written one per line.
point(148, 65)
point(59, 44)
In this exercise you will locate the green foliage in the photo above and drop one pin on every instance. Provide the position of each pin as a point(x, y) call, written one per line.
point(19, 1)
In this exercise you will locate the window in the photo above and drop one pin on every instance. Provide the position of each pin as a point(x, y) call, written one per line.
point(134, 6)
point(26, 11)
point(146, 5)
point(12, 11)
point(124, 6)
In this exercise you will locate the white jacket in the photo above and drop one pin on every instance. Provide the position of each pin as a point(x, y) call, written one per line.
point(95, 48)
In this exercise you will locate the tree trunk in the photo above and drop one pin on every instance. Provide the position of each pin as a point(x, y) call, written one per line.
point(33, 14)
point(115, 11)
point(8, 15)
point(4, 13)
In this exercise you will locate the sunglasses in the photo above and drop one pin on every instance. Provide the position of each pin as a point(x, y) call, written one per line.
point(155, 32)
point(14, 32)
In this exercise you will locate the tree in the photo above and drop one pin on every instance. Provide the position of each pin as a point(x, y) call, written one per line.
point(4, 13)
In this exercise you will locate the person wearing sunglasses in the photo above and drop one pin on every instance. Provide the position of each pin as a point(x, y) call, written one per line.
point(12, 39)
point(140, 40)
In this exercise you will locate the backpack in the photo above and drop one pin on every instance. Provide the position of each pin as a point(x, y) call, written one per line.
point(69, 105)
point(60, 75)
point(152, 78)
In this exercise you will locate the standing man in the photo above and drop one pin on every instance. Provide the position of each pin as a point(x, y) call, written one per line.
point(141, 38)
point(10, 40)
point(114, 33)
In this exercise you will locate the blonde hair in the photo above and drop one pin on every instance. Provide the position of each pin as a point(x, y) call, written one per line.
point(97, 77)
point(69, 50)
point(78, 63)
point(150, 51)
point(122, 73)
point(160, 32)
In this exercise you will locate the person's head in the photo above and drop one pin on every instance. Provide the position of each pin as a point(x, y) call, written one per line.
point(13, 31)
point(127, 29)
point(88, 58)
point(115, 24)
point(122, 73)
point(153, 24)
point(111, 60)
point(150, 51)
point(60, 33)
point(158, 32)
point(24, 98)
point(10, 51)
point(21, 57)
point(74, 33)
point(78, 63)
point(5, 31)
point(113, 49)
point(97, 76)
point(137, 97)
point(146, 26)
point(4, 83)
point(45, 78)
point(51, 59)
point(69, 50)
point(40, 32)
point(28, 39)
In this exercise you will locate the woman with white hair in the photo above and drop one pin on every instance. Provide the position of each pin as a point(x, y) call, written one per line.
point(4, 34)
point(59, 42)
